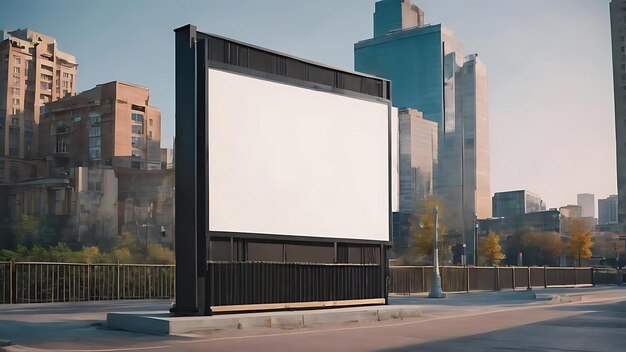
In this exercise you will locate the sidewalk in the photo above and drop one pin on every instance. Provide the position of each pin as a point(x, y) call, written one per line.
point(83, 324)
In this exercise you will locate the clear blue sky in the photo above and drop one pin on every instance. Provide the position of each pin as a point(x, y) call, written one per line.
point(549, 66)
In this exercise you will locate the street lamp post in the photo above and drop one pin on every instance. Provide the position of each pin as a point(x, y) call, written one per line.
point(475, 240)
point(435, 288)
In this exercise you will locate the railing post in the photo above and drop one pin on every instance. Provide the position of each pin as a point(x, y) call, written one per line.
point(119, 269)
point(11, 268)
point(467, 277)
point(593, 281)
point(89, 281)
point(497, 277)
point(545, 276)
point(575, 278)
point(529, 287)
point(423, 287)
point(513, 278)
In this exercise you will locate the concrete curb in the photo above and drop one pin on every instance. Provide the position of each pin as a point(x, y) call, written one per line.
point(158, 323)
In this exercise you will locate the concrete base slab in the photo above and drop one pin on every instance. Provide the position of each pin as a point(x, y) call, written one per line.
point(160, 323)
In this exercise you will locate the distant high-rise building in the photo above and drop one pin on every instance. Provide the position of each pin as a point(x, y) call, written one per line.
point(588, 204)
point(430, 73)
point(618, 41)
point(33, 72)
point(571, 211)
point(418, 158)
point(514, 203)
point(416, 165)
point(607, 210)
point(112, 124)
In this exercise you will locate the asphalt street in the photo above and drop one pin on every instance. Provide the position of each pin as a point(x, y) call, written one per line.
point(462, 322)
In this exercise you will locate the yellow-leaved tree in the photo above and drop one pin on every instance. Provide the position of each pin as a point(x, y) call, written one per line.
point(423, 225)
point(491, 249)
point(580, 241)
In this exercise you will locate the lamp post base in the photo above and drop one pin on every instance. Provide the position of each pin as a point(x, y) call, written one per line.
point(436, 291)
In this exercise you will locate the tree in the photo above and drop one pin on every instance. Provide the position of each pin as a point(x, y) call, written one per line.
point(539, 247)
point(490, 248)
point(25, 230)
point(423, 225)
point(580, 241)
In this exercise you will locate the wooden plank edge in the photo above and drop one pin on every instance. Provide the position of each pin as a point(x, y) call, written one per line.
point(296, 305)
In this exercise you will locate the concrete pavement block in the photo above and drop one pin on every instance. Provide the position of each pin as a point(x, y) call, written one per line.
point(291, 321)
point(401, 313)
point(138, 323)
point(339, 317)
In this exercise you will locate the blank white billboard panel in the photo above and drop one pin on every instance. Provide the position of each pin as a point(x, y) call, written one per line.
point(286, 160)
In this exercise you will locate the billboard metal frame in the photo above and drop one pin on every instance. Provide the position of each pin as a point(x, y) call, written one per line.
point(195, 284)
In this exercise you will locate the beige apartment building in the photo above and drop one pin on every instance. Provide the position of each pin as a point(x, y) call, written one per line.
point(93, 145)
point(111, 125)
point(33, 72)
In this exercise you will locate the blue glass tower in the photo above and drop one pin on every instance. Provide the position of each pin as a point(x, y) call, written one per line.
point(430, 73)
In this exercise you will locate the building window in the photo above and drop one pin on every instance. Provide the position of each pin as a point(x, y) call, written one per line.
point(47, 68)
point(137, 141)
point(15, 121)
point(15, 101)
point(150, 135)
point(63, 143)
point(137, 117)
point(46, 85)
point(17, 60)
point(16, 80)
point(136, 129)
point(17, 69)
point(16, 91)
point(94, 131)
point(46, 77)
point(15, 111)
point(65, 84)
point(76, 119)
point(94, 118)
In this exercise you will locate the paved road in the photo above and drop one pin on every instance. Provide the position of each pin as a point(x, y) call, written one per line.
point(464, 322)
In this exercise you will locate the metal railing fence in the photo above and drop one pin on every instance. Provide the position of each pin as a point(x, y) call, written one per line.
point(416, 279)
point(39, 282)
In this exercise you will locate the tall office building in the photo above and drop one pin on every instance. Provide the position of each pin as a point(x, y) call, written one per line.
point(607, 210)
point(430, 73)
point(618, 41)
point(417, 162)
point(33, 72)
point(514, 203)
point(588, 203)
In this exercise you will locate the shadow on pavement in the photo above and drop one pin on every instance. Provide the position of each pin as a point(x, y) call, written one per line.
point(601, 329)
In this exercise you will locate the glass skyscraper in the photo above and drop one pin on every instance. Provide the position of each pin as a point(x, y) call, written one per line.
point(430, 73)
point(618, 43)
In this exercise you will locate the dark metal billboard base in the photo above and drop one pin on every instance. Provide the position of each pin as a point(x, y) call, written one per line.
point(181, 312)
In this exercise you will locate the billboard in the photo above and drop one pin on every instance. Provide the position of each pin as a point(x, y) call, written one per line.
point(295, 161)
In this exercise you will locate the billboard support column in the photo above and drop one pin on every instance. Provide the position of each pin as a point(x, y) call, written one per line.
point(189, 275)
